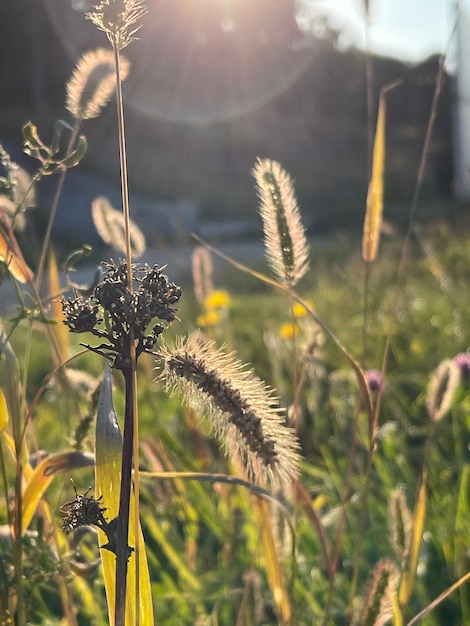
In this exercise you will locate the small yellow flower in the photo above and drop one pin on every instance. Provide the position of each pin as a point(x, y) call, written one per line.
point(287, 330)
point(299, 310)
point(416, 346)
point(218, 299)
point(209, 319)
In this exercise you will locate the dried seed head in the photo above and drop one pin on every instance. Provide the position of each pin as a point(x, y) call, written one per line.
point(378, 607)
point(284, 235)
point(126, 313)
point(242, 411)
point(84, 510)
point(443, 384)
point(117, 19)
point(81, 316)
point(93, 83)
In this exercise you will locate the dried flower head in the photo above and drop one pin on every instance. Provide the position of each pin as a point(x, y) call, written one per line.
point(111, 227)
point(242, 411)
point(378, 607)
point(125, 313)
point(284, 235)
point(117, 18)
point(84, 510)
point(443, 384)
point(93, 83)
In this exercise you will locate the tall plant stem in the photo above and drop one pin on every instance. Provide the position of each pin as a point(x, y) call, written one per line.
point(123, 165)
point(130, 432)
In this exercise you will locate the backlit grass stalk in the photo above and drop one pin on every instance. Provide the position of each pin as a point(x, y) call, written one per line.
point(117, 19)
point(285, 241)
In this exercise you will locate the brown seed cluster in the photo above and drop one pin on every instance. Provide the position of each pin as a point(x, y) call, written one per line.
point(117, 315)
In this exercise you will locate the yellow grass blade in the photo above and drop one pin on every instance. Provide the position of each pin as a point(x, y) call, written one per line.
point(60, 329)
point(374, 203)
point(3, 412)
point(108, 454)
point(13, 258)
point(419, 516)
point(272, 565)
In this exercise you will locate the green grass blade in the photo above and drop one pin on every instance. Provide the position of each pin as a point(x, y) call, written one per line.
point(108, 454)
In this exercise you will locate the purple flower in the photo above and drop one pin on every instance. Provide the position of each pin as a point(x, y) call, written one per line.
point(375, 380)
point(462, 361)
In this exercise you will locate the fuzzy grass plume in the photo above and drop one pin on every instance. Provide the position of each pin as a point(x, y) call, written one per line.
point(93, 83)
point(203, 269)
point(443, 385)
point(111, 227)
point(378, 607)
point(401, 531)
point(284, 235)
point(241, 409)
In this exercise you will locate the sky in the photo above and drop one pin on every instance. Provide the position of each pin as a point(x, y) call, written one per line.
point(410, 30)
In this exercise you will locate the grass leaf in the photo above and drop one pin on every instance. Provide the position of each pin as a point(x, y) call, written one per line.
point(108, 451)
point(374, 203)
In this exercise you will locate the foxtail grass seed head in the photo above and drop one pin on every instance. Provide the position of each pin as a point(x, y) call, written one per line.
point(401, 531)
point(378, 607)
point(93, 83)
point(202, 274)
point(111, 227)
point(118, 19)
point(444, 382)
point(284, 235)
point(242, 411)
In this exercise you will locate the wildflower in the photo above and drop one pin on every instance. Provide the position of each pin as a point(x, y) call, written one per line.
point(375, 380)
point(284, 234)
point(462, 361)
point(443, 384)
point(209, 319)
point(242, 411)
point(299, 310)
point(217, 299)
point(288, 330)
point(93, 83)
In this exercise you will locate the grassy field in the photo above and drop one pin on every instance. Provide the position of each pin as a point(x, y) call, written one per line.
point(281, 444)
